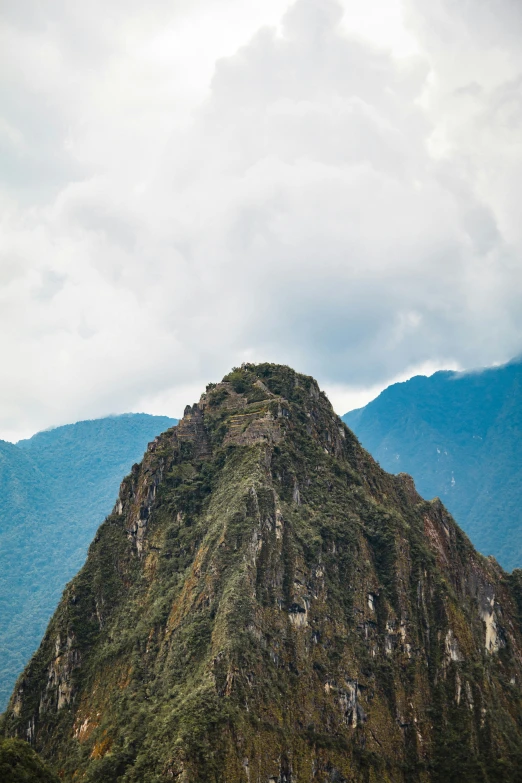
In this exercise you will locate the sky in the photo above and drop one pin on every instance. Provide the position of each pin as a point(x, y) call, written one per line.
point(186, 186)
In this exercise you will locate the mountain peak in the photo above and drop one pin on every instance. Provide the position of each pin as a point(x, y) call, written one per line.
point(254, 403)
point(265, 603)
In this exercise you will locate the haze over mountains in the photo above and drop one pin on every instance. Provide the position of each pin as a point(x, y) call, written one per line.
point(460, 436)
point(56, 488)
point(265, 603)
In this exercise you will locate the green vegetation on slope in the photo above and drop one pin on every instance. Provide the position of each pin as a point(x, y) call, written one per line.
point(56, 488)
point(460, 436)
point(20, 764)
point(265, 603)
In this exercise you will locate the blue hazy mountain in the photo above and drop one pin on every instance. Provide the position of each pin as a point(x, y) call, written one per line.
point(459, 435)
point(56, 489)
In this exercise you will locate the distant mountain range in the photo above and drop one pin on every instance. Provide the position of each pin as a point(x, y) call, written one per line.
point(56, 488)
point(459, 435)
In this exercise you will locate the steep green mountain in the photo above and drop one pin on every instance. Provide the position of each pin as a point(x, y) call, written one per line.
point(460, 436)
point(265, 603)
point(56, 488)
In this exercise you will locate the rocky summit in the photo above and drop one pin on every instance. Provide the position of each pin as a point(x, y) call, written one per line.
point(266, 605)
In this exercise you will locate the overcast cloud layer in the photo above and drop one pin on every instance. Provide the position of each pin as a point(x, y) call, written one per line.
point(189, 186)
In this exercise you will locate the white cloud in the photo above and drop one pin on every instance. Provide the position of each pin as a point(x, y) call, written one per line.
point(194, 186)
point(348, 398)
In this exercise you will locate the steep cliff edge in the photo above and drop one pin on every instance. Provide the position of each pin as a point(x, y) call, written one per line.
point(266, 604)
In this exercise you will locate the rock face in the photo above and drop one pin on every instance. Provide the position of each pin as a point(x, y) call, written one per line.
point(266, 604)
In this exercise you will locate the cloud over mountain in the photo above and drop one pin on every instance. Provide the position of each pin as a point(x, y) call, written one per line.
point(187, 189)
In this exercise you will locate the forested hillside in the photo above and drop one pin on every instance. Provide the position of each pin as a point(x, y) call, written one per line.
point(460, 436)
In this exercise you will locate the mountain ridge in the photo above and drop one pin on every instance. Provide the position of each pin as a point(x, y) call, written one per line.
point(458, 435)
